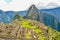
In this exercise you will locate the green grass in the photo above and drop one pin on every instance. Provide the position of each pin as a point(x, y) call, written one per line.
point(27, 35)
point(27, 24)
point(42, 37)
point(37, 30)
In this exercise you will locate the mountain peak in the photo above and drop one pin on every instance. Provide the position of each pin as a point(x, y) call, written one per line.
point(32, 13)
point(33, 6)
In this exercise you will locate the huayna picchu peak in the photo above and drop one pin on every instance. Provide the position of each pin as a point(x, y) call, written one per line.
point(33, 13)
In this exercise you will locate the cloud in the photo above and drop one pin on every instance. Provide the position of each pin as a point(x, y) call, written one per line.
point(20, 5)
point(8, 1)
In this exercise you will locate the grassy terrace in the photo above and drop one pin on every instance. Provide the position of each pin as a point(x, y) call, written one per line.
point(31, 30)
point(51, 32)
point(27, 24)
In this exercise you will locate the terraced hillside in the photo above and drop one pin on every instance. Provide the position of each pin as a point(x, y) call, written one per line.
point(26, 29)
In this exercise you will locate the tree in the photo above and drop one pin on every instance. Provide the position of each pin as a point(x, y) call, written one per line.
point(16, 16)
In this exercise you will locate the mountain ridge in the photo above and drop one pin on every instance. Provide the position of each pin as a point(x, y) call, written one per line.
point(11, 14)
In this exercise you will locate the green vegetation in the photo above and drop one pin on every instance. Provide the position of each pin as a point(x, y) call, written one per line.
point(27, 35)
point(42, 37)
point(37, 30)
point(16, 16)
point(28, 24)
point(53, 34)
point(29, 29)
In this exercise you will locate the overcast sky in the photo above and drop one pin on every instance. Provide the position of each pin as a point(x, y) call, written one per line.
point(20, 5)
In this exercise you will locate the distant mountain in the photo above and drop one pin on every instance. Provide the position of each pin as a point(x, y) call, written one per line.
point(55, 12)
point(8, 16)
point(22, 13)
point(4, 17)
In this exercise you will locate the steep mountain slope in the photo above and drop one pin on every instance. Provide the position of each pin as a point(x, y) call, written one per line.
point(32, 13)
point(54, 11)
point(4, 18)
